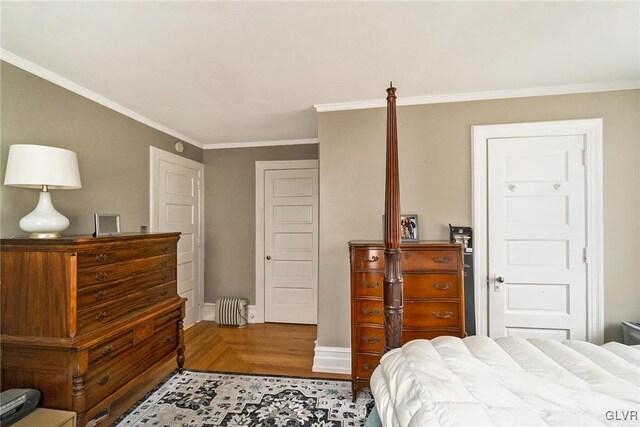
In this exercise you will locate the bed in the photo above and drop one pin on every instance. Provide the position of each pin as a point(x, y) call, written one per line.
point(479, 381)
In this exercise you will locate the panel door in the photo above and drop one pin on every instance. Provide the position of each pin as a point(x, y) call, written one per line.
point(291, 246)
point(537, 271)
point(179, 209)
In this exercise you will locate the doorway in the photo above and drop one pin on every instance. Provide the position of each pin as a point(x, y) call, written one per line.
point(287, 241)
point(537, 218)
point(176, 204)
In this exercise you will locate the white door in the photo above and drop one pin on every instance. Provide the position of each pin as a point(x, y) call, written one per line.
point(536, 237)
point(291, 245)
point(178, 184)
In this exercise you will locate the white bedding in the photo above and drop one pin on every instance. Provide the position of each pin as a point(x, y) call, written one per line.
point(477, 381)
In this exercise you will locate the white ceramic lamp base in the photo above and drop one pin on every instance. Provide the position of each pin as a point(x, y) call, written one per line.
point(44, 221)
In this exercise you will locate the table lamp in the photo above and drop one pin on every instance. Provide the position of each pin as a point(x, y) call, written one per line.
point(45, 168)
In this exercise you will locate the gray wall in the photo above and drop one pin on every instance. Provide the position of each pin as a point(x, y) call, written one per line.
point(230, 220)
point(112, 149)
point(435, 179)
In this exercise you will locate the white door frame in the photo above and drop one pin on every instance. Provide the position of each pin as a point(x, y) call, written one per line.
point(155, 155)
point(261, 167)
point(591, 129)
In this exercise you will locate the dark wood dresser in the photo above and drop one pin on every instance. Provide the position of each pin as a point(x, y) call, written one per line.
point(84, 318)
point(433, 299)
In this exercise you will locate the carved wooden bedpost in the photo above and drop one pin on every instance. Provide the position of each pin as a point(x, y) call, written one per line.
point(392, 272)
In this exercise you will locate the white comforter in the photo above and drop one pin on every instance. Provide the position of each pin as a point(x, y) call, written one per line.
point(477, 381)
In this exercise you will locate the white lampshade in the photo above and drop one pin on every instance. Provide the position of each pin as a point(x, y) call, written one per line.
point(32, 166)
point(45, 168)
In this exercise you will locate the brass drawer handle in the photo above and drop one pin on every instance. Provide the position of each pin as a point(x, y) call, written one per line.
point(439, 260)
point(374, 284)
point(101, 257)
point(167, 340)
point(107, 350)
point(164, 249)
point(367, 367)
point(101, 316)
point(101, 276)
point(105, 379)
point(368, 312)
point(164, 277)
point(374, 258)
point(164, 293)
point(101, 294)
point(447, 314)
point(442, 287)
point(370, 340)
point(163, 264)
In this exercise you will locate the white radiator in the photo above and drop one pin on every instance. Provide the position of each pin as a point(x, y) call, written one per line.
point(232, 311)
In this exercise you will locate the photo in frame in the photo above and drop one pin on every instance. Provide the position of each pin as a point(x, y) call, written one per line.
point(408, 227)
point(106, 224)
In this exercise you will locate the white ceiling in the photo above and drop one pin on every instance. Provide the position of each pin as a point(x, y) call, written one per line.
point(237, 72)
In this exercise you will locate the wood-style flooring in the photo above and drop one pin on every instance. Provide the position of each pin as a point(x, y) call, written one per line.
point(264, 348)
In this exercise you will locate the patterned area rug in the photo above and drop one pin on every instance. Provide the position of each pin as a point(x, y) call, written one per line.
point(192, 398)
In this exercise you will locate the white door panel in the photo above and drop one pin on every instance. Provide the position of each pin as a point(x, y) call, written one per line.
point(291, 245)
point(537, 229)
point(178, 209)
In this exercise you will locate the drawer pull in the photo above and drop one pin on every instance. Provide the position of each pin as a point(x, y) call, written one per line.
point(439, 260)
point(105, 379)
point(163, 264)
point(100, 295)
point(374, 258)
point(370, 340)
point(164, 293)
point(101, 316)
point(442, 287)
point(107, 350)
point(374, 284)
point(167, 340)
point(447, 314)
point(164, 249)
point(368, 312)
point(164, 277)
point(101, 276)
point(367, 367)
point(101, 257)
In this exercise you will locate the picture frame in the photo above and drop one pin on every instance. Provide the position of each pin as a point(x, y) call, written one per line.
point(106, 224)
point(409, 227)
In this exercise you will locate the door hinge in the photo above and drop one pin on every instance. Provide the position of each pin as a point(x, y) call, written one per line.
point(585, 255)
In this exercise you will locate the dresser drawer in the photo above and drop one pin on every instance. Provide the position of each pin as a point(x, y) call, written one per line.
point(122, 270)
point(368, 284)
point(97, 315)
point(421, 314)
point(369, 340)
point(430, 260)
point(365, 364)
point(430, 285)
point(106, 292)
point(368, 259)
point(427, 334)
point(369, 311)
point(108, 253)
point(170, 317)
point(110, 348)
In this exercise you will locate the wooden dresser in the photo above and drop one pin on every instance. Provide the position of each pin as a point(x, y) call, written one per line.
point(83, 318)
point(433, 299)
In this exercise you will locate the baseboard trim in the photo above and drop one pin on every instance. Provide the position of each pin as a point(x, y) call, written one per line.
point(334, 360)
point(209, 312)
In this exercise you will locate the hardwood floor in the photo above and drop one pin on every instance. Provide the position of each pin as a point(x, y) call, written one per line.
point(264, 348)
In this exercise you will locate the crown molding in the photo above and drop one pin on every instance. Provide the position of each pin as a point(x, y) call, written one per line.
point(481, 96)
point(260, 143)
point(42, 72)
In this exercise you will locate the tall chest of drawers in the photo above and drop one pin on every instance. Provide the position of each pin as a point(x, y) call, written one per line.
point(84, 318)
point(433, 299)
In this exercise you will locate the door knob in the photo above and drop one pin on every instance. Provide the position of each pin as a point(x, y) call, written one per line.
point(268, 257)
point(500, 279)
